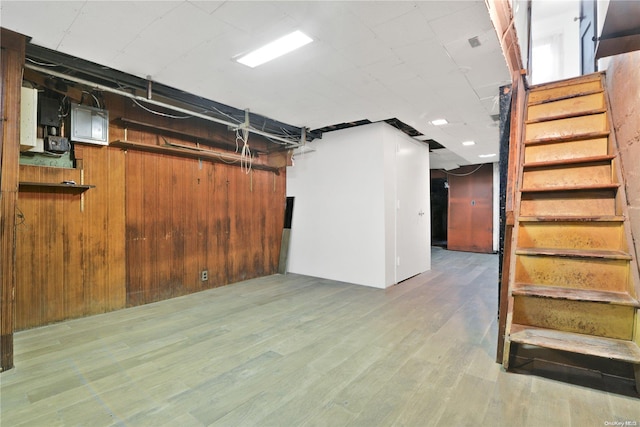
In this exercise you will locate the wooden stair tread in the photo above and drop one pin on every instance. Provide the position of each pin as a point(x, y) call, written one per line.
point(555, 292)
point(566, 115)
point(572, 161)
point(568, 138)
point(614, 218)
point(575, 253)
point(563, 97)
point(586, 187)
point(570, 81)
point(610, 348)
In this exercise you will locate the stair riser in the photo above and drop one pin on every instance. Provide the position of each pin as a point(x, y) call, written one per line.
point(577, 105)
point(567, 127)
point(576, 273)
point(603, 320)
point(541, 95)
point(592, 203)
point(572, 235)
point(563, 176)
point(566, 150)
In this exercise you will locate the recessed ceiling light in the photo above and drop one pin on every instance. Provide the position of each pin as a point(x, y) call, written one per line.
point(276, 48)
point(439, 122)
point(468, 143)
point(486, 155)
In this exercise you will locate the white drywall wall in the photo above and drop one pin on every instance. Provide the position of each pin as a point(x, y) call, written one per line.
point(338, 224)
point(344, 215)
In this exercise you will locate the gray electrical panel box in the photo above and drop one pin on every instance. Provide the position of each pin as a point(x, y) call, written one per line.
point(89, 124)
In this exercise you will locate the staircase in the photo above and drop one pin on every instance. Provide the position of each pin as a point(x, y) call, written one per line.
point(573, 282)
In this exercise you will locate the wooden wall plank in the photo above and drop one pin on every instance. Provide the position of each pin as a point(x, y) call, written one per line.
point(71, 254)
point(134, 229)
point(152, 222)
point(194, 215)
point(11, 66)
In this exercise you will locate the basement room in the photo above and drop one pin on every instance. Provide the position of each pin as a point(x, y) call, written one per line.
point(320, 213)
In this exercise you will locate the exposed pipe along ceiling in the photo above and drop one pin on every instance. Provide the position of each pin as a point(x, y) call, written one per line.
point(54, 64)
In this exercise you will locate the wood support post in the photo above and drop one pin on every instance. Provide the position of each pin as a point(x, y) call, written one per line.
point(13, 51)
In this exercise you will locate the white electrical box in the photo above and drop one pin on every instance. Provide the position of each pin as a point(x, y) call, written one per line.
point(29, 121)
point(90, 125)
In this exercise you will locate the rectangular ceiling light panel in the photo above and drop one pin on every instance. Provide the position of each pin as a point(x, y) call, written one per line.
point(276, 48)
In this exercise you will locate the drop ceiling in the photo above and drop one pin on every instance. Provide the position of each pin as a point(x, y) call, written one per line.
point(410, 61)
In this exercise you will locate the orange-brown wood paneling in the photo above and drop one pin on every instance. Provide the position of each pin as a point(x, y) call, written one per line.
point(470, 224)
point(185, 216)
point(11, 66)
point(151, 224)
point(70, 250)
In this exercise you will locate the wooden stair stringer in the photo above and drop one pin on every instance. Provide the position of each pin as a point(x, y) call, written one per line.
point(624, 212)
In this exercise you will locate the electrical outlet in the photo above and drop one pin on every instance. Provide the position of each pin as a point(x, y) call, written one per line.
point(204, 275)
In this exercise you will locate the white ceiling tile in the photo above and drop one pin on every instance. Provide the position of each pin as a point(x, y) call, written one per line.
point(329, 22)
point(208, 6)
point(367, 53)
point(404, 30)
point(482, 65)
point(373, 13)
point(445, 159)
point(252, 17)
point(390, 72)
point(492, 104)
point(434, 9)
point(86, 35)
point(488, 91)
point(464, 24)
point(34, 19)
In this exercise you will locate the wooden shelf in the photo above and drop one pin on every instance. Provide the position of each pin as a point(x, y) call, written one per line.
point(574, 253)
point(169, 131)
point(194, 153)
point(53, 186)
point(610, 348)
point(572, 294)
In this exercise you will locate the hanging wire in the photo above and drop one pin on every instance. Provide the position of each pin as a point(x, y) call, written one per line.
point(94, 98)
point(159, 113)
point(42, 64)
point(463, 174)
point(245, 154)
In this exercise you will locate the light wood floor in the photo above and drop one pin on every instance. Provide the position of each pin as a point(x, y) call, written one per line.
point(293, 351)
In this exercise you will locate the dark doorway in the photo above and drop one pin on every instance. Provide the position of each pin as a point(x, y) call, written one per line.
point(439, 208)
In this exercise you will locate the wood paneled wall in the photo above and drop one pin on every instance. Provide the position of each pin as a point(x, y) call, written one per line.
point(152, 223)
point(70, 251)
point(185, 216)
point(11, 65)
